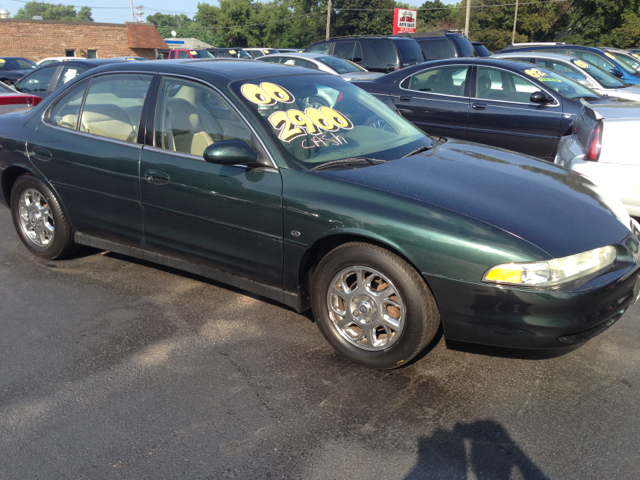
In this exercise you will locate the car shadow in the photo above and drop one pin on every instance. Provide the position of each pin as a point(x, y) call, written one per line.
point(515, 353)
point(479, 450)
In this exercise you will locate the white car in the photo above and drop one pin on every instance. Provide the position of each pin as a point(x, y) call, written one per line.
point(580, 70)
point(602, 147)
point(324, 63)
point(46, 61)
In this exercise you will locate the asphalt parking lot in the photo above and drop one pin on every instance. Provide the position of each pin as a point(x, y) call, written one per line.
point(115, 368)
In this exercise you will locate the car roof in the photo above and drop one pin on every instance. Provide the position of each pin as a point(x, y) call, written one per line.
point(21, 58)
point(299, 55)
point(550, 56)
point(212, 68)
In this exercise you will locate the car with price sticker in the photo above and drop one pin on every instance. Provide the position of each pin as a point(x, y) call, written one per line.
point(229, 53)
point(180, 53)
point(510, 104)
point(580, 70)
point(229, 169)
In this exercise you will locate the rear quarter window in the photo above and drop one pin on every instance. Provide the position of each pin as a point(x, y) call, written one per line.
point(437, 48)
point(381, 55)
point(409, 50)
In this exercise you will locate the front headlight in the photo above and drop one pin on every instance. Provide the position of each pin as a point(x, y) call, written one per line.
point(552, 272)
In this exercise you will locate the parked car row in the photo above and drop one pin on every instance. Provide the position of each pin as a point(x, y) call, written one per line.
point(297, 185)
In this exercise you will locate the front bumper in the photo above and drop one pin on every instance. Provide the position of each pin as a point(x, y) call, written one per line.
point(535, 318)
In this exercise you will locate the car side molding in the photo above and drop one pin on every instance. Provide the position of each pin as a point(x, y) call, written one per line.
point(299, 300)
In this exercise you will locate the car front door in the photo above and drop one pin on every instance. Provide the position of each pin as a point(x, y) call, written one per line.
point(87, 147)
point(435, 100)
point(227, 217)
point(503, 115)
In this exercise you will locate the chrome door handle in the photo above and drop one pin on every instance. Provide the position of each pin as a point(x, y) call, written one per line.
point(479, 106)
point(42, 154)
point(405, 99)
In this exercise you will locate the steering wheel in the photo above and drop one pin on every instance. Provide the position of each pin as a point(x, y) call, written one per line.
point(376, 121)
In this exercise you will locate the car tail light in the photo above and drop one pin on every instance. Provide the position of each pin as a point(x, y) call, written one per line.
point(20, 100)
point(594, 144)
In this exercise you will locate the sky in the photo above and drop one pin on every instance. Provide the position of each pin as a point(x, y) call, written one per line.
point(119, 11)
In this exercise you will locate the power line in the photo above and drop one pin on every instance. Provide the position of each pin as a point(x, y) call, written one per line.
point(450, 8)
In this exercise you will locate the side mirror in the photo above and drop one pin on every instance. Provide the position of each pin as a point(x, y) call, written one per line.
point(540, 98)
point(616, 72)
point(230, 152)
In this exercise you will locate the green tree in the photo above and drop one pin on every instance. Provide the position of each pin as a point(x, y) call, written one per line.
point(166, 20)
point(49, 11)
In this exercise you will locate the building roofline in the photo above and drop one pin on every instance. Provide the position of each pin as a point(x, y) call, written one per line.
point(70, 22)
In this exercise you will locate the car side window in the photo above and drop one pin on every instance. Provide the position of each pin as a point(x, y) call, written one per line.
point(494, 84)
point(381, 54)
point(113, 106)
point(298, 62)
point(321, 48)
point(437, 48)
point(67, 74)
point(191, 116)
point(344, 50)
point(444, 80)
point(183, 55)
point(357, 54)
point(66, 111)
point(38, 81)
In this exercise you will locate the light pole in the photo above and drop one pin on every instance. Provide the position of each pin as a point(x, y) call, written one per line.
point(466, 22)
point(132, 17)
point(515, 20)
point(328, 20)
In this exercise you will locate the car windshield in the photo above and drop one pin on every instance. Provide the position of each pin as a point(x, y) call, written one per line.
point(200, 54)
point(341, 66)
point(627, 60)
point(16, 64)
point(316, 119)
point(602, 77)
point(563, 85)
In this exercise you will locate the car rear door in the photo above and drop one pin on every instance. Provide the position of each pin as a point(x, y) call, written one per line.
point(436, 100)
point(88, 148)
point(227, 217)
point(502, 115)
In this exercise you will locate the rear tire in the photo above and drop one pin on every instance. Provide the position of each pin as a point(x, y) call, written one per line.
point(39, 220)
point(372, 306)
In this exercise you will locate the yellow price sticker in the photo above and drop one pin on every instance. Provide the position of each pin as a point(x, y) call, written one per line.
point(295, 123)
point(2, 60)
point(266, 52)
point(636, 55)
point(266, 93)
point(232, 52)
point(193, 52)
point(581, 64)
point(534, 72)
point(609, 55)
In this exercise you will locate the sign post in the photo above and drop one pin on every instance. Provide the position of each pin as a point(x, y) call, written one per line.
point(404, 21)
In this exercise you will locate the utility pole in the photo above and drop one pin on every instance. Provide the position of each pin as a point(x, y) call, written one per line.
point(466, 22)
point(133, 19)
point(329, 20)
point(140, 13)
point(515, 20)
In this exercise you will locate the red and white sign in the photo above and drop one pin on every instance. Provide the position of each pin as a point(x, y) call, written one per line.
point(404, 21)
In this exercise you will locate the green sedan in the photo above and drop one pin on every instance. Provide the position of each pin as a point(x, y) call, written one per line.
point(302, 188)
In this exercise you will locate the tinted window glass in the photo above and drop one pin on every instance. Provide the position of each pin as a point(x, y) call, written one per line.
point(602, 77)
point(344, 50)
point(38, 81)
point(113, 106)
point(66, 111)
point(464, 46)
point(409, 50)
point(381, 55)
point(445, 80)
point(597, 60)
point(493, 84)
point(67, 74)
point(437, 48)
point(183, 55)
point(298, 62)
point(16, 64)
point(357, 54)
point(339, 65)
point(564, 69)
point(320, 48)
point(270, 59)
point(190, 117)
point(256, 53)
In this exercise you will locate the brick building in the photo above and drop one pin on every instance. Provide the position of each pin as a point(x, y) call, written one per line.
point(38, 39)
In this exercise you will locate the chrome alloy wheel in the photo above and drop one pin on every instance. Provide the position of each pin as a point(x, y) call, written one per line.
point(365, 308)
point(36, 218)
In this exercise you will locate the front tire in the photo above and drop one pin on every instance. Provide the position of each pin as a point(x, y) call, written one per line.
point(372, 306)
point(39, 220)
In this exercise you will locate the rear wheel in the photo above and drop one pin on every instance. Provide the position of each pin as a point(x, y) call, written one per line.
point(372, 306)
point(39, 220)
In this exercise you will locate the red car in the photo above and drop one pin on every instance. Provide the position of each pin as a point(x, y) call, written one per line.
point(189, 53)
point(11, 100)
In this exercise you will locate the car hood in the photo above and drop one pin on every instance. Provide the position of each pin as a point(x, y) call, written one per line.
point(555, 209)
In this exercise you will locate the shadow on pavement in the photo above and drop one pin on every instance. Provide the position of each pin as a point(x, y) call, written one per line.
point(481, 450)
point(518, 353)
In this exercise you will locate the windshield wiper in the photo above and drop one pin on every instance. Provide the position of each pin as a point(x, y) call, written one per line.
point(586, 97)
point(347, 162)
point(419, 150)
